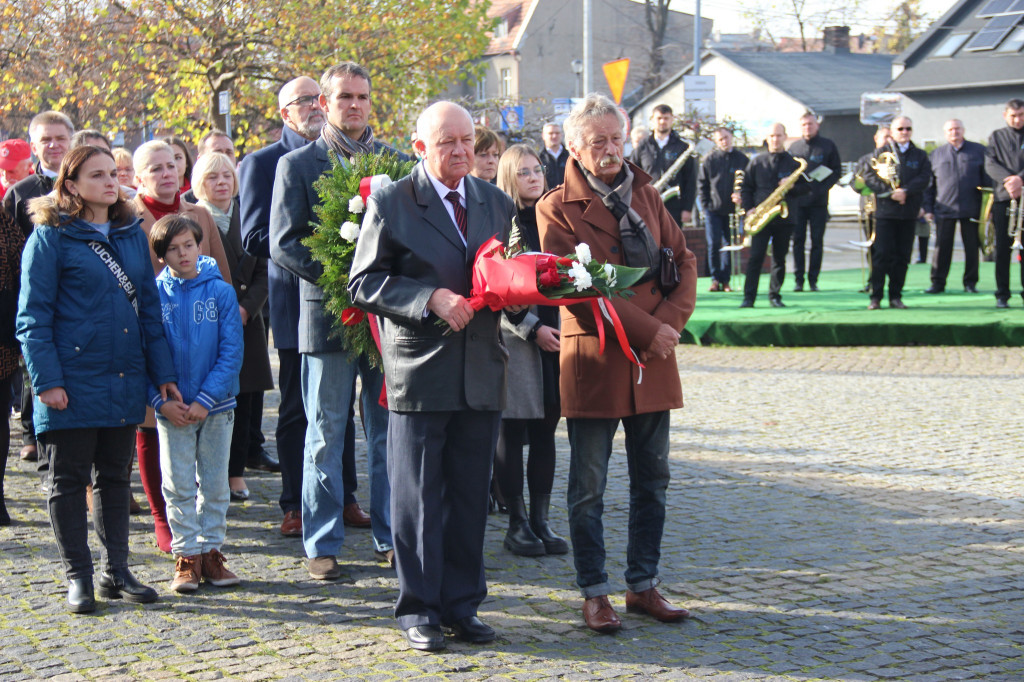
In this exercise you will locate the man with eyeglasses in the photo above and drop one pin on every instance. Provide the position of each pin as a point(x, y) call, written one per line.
point(899, 195)
point(958, 174)
point(1004, 163)
point(328, 372)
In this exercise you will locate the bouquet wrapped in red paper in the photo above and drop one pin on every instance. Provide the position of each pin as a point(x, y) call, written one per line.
point(545, 279)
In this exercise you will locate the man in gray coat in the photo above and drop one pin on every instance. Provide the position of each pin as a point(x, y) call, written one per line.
point(445, 391)
point(328, 373)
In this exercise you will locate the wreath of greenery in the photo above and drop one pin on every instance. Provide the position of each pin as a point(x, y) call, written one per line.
point(337, 212)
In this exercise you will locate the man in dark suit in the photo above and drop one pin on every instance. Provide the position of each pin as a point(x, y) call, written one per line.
point(657, 153)
point(412, 267)
point(327, 371)
point(303, 118)
point(1004, 163)
point(554, 155)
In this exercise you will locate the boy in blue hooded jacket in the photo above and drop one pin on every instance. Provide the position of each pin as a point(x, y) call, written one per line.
point(204, 330)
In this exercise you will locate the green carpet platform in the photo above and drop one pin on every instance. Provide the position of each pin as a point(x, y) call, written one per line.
point(837, 315)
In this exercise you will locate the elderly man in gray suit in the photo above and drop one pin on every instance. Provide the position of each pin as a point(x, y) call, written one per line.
point(412, 268)
point(327, 372)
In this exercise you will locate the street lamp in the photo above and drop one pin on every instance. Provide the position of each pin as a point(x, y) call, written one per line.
point(577, 68)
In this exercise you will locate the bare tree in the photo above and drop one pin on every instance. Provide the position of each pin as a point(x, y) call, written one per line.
point(774, 19)
point(656, 16)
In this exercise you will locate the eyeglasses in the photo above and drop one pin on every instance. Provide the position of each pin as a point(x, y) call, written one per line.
point(904, 129)
point(527, 172)
point(304, 101)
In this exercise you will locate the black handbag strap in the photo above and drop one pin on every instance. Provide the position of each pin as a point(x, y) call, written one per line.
point(113, 263)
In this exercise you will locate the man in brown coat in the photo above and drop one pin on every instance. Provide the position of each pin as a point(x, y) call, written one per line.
point(610, 205)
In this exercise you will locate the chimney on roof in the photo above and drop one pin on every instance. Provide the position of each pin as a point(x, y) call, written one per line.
point(836, 40)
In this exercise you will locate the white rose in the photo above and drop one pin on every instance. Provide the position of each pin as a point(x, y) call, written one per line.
point(609, 274)
point(349, 231)
point(583, 253)
point(580, 277)
point(356, 204)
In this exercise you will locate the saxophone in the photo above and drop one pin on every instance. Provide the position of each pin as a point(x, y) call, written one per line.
point(773, 206)
point(670, 172)
point(736, 217)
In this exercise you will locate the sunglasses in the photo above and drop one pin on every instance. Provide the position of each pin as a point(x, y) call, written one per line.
point(904, 129)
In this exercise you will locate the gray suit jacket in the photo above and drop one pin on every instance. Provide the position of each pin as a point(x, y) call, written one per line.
point(408, 247)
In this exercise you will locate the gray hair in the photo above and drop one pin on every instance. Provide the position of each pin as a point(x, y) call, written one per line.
point(593, 107)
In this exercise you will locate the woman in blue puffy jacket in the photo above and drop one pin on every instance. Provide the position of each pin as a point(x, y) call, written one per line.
point(90, 331)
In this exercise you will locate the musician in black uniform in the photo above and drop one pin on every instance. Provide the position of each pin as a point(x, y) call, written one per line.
point(958, 174)
point(658, 152)
point(1004, 163)
point(764, 174)
point(896, 211)
point(812, 209)
point(867, 198)
point(715, 184)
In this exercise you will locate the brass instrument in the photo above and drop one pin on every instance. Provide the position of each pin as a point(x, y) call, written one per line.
point(866, 222)
point(670, 172)
point(736, 217)
point(986, 231)
point(887, 166)
point(773, 206)
point(1016, 226)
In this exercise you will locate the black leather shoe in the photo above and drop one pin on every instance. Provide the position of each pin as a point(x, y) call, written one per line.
point(80, 596)
point(798, 286)
point(898, 304)
point(776, 302)
point(425, 638)
point(1000, 303)
point(934, 290)
point(814, 287)
point(119, 582)
point(747, 303)
point(473, 630)
point(264, 461)
point(970, 289)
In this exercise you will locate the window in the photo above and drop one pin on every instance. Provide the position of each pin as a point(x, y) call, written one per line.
point(951, 44)
point(481, 88)
point(993, 32)
point(994, 7)
point(1014, 42)
point(506, 82)
point(501, 30)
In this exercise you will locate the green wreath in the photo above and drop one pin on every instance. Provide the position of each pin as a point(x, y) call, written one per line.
point(333, 241)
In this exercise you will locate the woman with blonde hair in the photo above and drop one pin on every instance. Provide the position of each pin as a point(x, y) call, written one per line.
point(532, 405)
point(215, 184)
point(156, 175)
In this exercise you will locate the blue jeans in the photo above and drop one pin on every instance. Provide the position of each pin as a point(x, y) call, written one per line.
point(590, 441)
point(196, 452)
point(716, 229)
point(327, 380)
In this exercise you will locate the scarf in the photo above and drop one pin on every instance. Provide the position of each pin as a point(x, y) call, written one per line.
point(343, 145)
point(638, 247)
point(222, 219)
point(160, 209)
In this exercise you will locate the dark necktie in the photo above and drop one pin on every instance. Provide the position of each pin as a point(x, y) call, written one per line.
point(460, 212)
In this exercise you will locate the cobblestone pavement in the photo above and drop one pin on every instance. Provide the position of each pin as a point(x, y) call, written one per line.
point(848, 514)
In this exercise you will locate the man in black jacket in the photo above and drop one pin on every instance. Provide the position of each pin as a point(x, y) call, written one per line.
point(1004, 163)
point(50, 138)
point(812, 209)
point(657, 153)
point(958, 173)
point(899, 198)
point(715, 183)
point(554, 156)
point(764, 174)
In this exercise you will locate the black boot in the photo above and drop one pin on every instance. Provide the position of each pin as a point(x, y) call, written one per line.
point(520, 539)
point(80, 596)
point(539, 525)
point(119, 582)
point(5, 518)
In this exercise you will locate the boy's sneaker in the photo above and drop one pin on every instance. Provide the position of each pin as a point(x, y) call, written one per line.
point(215, 572)
point(187, 572)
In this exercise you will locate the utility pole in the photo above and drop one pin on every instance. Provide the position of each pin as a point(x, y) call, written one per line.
point(588, 50)
point(697, 42)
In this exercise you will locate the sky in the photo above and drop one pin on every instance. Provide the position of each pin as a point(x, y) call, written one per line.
point(728, 14)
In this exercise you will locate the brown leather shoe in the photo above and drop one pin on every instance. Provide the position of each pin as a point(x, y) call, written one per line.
point(653, 604)
point(291, 526)
point(354, 516)
point(600, 616)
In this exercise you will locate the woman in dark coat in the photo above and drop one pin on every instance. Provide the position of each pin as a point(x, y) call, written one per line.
point(11, 242)
point(532, 408)
point(90, 329)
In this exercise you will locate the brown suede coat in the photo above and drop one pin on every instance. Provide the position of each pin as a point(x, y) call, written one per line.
point(595, 385)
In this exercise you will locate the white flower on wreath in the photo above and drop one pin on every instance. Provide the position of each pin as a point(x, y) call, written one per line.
point(349, 231)
point(356, 205)
point(580, 276)
point(583, 253)
point(609, 274)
